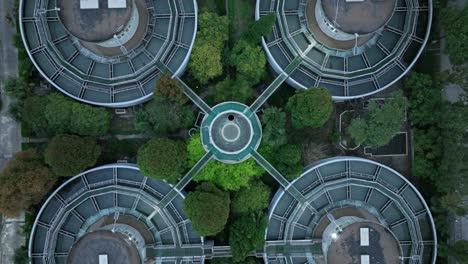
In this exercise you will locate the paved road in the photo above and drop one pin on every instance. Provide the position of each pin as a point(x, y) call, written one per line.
point(10, 136)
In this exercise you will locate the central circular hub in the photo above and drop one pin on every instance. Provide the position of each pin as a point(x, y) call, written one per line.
point(361, 17)
point(94, 23)
point(231, 131)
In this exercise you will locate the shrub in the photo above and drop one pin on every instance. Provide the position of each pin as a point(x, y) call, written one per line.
point(208, 209)
point(69, 155)
point(163, 159)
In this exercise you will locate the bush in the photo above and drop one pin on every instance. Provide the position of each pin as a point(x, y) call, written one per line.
point(170, 88)
point(249, 61)
point(24, 181)
point(33, 114)
point(260, 28)
point(66, 116)
point(205, 61)
point(381, 124)
point(163, 159)
point(69, 155)
point(287, 159)
point(232, 90)
point(162, 116)
point(247, 234)
point(17, 88)
point(310, 108)
point(251, 199)
point(208, 209)
point(228, 176)
point(274, 127)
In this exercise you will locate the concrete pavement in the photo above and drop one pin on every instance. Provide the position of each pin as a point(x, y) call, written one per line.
point(10, 135)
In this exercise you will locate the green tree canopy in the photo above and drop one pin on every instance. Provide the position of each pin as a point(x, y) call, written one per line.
point(208, 209)
point(69, 155)
point(213, 28)
point(424, 98)
point(205, 61)
point(381, 123)
point(18, 88)
point(232, 90)
point(251, 199)
point(274, 127)
point(247, 234)
point(170, 88)
point(287, 159)
point(89, 121)
point(460, 251)
point(249, 61)
point(228, 176)
point(455, 24)
point(162, 116)
point(260, 28)
point(66, 116)
point(310, 108)
point(24, 181)
point(33, 114)
point(163, 159)
point(58, 113)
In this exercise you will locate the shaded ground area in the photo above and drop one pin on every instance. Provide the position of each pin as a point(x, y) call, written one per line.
point(383, 247)
point(118, 249)
point(93, 24)
point(359, 17)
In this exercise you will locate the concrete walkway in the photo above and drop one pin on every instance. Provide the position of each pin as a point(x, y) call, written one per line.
point(10, 135)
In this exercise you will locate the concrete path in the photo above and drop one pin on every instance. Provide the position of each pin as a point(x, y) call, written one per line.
point(10, 238)
point(10, 135)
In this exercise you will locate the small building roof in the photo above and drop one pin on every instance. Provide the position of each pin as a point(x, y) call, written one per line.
point(117, 3)
point(89, 4)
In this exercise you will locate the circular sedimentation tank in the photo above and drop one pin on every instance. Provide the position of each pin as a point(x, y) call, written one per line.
point(108, 56)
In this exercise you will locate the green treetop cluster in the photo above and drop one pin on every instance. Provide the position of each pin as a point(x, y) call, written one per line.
point(208, 209)
point(228, 176)
point(205, 60)
point(380, 124)
point(55, 114)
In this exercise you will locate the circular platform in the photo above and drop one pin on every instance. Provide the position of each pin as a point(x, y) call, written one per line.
point(119, 249)
point(346, 248)
point(93, 25)
point(361, 17)
point(231, 131)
